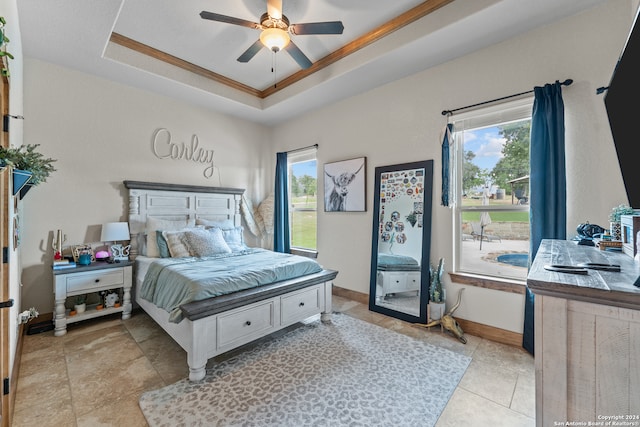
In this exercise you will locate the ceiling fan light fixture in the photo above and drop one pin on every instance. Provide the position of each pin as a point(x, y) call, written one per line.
point(274, 38)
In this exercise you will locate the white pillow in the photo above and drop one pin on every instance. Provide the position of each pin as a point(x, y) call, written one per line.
point(203, 243)
point(155, 224)
point(235, 239)
point(225, 224)
point(177, 248)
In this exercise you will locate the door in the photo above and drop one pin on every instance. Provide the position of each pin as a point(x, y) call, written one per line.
point(5, 415)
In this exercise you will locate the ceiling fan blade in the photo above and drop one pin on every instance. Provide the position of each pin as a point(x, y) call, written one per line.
point(229, 20)
point(330, 27)
point(274, 8)
point(297, 55)
point(251, 52)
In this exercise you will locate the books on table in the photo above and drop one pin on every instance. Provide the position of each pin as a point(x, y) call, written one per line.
point(63, 264)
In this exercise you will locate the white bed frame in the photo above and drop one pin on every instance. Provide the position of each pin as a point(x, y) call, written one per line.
point(217, 325)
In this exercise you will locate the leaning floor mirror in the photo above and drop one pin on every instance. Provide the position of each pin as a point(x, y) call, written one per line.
point(401, 240)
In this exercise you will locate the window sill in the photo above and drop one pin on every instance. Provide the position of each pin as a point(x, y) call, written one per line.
point(504, 285)
point(305, 252)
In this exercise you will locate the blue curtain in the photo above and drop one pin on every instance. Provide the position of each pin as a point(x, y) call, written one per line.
point(548, 209)
point(446, 164)
point(281, 239)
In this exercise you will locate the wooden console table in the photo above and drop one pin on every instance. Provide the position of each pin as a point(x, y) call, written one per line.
point(587, 337)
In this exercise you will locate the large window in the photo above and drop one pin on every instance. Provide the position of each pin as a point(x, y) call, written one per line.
point(302, 199)
point(491, 165)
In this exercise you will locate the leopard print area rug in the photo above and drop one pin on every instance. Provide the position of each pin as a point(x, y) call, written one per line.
point(344, 373)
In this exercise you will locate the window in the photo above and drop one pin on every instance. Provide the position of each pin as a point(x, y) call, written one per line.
point(302, 199)
point(491, 175)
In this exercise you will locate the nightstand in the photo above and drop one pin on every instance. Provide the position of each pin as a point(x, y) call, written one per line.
point(99, 276)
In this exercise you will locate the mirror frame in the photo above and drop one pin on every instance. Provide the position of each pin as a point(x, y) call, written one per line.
point(426, 240)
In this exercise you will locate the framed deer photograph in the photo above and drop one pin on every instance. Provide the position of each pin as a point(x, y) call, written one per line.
point(345, 185)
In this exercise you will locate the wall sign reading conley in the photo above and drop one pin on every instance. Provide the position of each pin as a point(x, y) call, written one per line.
point(164, 148)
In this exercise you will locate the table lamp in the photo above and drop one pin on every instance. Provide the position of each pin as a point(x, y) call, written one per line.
point(114, 232)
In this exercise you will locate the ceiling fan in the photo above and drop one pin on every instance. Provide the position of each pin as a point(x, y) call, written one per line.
point(275, 29)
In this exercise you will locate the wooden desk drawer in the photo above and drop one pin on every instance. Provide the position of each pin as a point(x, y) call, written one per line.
point(242, 326)
point(104, 279)
point(300, 305)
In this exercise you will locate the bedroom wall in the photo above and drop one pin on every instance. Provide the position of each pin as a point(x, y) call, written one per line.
point(101, 132)
point(402, 122)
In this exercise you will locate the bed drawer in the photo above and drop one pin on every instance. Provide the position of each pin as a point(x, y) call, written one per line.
point(244, 325)
point(103, 279)
point(300, 305)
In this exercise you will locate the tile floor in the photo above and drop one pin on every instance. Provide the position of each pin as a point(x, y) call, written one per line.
point(94, 375)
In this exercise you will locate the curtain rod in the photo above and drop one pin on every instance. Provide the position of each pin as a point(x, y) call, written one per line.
point(449, 112)
point(302, 148)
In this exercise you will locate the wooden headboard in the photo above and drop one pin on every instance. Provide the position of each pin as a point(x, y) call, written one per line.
point(175, 201)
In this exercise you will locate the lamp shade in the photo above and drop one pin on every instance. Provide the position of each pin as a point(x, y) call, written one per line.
point(114, 231)
point(274, 38)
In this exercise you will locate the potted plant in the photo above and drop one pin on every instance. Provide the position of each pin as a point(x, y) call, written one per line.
point(436, 291)
point(30, 167)
point(615, 227)
point(80, 304)
point(3, 52)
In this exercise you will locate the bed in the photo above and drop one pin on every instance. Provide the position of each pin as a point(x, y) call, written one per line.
point(397, 273)
point(203, 322)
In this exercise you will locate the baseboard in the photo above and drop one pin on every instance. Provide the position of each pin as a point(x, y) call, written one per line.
point(490, 332)
point(469, 327)
point(352, 295)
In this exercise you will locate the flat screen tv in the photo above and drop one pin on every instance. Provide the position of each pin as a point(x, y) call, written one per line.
point(624, 116)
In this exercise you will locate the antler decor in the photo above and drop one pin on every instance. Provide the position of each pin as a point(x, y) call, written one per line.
point(448, 322)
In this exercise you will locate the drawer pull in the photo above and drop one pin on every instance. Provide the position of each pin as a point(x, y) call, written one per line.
point(301, 304)
point(97, 280)
point(248, 323)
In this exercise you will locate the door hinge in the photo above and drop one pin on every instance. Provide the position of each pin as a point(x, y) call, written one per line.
point(6, 388)
point(5, 123)
point(6, 304)
point(5, 255)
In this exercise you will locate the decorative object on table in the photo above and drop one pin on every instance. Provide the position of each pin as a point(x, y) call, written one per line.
point(587, 232)
point(26, 160)
point(114, 232)
point(449, 323)
point(78, 250)
point(80, 304)
point(630, 225)
point(614, 220)
point(84, 259)
point(111, 299)
point(437, 297)
point(57, 245)
point(344, 185)
point(102, 256)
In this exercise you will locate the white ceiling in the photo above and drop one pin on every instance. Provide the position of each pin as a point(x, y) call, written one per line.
point(76, 34)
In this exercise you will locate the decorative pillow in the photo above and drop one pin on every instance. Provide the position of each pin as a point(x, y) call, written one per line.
point(177, 248)
point(224, 224)
point(154, 224)
point(235, 239)
point(205, 242)
point(162, 245)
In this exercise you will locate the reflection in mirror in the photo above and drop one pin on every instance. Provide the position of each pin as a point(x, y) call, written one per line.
point(401, 240)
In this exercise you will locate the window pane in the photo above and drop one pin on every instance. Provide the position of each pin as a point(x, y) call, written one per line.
point(302, 195)
point(494, 174)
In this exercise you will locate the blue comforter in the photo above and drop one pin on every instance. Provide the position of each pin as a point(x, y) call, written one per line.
point(171, 282)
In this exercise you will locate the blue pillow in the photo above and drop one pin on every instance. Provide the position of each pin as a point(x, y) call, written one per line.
point(162, 245)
